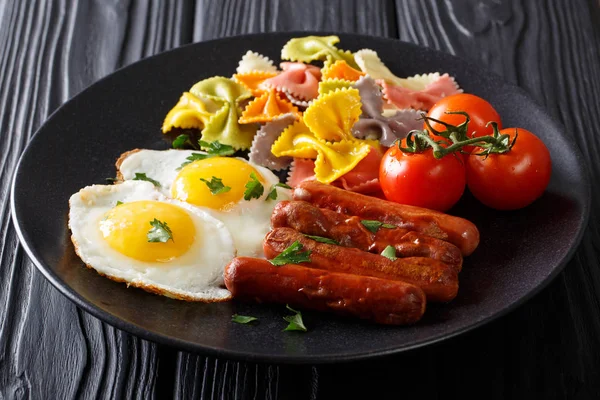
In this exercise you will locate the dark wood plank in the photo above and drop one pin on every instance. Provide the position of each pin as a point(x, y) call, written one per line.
point(49, 51)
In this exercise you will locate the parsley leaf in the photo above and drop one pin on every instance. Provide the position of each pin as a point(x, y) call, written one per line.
point(216, 185)
point(160, 232)
point(119, 202)
point(273, 192)
point(292, 255)
point(110, 180)
point(374, 226)
point(254, 189)
point(143, 177)
point(295, 321)
point(179, 142)
point(193, 157)
point(242, 319)
point(389, 252)
point(216, 149)
point(321, 239)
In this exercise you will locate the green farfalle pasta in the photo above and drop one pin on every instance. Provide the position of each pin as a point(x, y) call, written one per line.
point(223, 126)
point(331, 85)
point(313, 48)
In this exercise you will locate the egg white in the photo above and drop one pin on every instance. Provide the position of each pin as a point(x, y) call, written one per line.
point(248, 221)
point(197, 275)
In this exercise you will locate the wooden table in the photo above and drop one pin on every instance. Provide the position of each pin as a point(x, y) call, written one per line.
point(548, 348)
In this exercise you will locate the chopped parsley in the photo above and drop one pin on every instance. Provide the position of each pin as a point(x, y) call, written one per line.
point(295, 321)
point(374, 226)
point(216, 149)
point(180, 141)
point(273, 192)
point(160, 232)
point(242, 319)
point(321, 239)
point(193, 157)
point(216, 185)
point(143, 177)
point(292, 255)
point(119, 202)
point(213, 149)
point(389, 252)
point(254, 189)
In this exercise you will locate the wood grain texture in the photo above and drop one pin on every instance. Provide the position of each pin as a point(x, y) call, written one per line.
point(50, 50)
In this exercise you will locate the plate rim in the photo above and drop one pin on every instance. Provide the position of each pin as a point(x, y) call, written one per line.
point(208, 350)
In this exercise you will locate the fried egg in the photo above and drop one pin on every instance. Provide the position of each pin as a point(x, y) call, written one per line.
point(248, 221)
point(132, 233)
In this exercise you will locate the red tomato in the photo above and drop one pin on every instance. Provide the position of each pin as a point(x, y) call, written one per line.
point(511, 180)
point(418, 179)
point(480, 111)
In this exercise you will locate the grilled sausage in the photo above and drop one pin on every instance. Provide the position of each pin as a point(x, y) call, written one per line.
point(383, 301)
point(439, 281)
point(455, 230)
point(348, 231)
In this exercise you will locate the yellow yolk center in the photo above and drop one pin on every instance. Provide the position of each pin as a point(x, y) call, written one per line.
point(126, 227)
point(233, 173)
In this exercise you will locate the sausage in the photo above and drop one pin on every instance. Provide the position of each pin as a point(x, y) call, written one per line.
point(455, 230)
point(348, 231)
point(379, 300)
point(439, 281)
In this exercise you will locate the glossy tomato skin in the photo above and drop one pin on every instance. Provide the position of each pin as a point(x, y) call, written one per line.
point(420, 180)
point(480, 111)
point(511, 180)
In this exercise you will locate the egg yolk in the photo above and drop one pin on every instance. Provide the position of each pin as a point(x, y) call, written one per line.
point(126, 226)
point(233, 173)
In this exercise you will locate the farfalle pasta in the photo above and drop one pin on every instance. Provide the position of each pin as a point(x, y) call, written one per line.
point(324, 112)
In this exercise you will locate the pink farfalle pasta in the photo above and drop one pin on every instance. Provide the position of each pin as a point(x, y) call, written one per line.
point(299, 80)
point(424, 99)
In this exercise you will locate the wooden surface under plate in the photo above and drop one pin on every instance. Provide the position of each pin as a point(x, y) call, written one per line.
point(51, 50)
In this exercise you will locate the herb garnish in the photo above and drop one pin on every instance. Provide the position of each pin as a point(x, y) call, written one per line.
point(254, 189)
point(180, 141)
point(160, 232)
point(216, 149)
point(273, 192)
point(292, 255)
point(143, 177)
point(389, 252)
point(216, 185)
point(213, 149)
point(321, 239)
point(193, 157)
point(119, 202)
point(374, 226)
point(295, 321)
point(242, 319)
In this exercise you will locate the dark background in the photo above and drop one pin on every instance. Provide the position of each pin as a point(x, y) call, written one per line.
point(548, 348)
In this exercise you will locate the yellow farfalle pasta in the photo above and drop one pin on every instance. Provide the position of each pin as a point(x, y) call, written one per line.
point(313, 48)
point(266, 108)
point(332, 159)
point(252, 81)
point(341, 70)
point(331, 116)
point(190, 112)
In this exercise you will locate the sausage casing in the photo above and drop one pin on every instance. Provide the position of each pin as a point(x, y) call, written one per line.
point(455, 230)
point(439, 281)
point(348, 231)
point(379, 300)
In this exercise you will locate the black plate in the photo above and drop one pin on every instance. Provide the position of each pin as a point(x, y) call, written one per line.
point(520, 251)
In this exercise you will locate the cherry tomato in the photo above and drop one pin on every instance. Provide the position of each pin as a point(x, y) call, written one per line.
point(514, 179)
point(480, 111)
point(418, 179)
